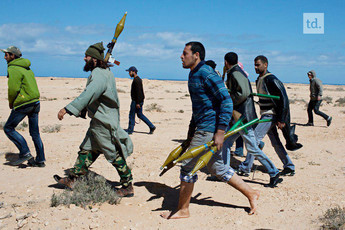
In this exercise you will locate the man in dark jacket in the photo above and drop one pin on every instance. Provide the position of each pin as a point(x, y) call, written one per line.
point(137, 95)
point(24, 100)
point(240, 91)
point(279, 112)
point(316, 99)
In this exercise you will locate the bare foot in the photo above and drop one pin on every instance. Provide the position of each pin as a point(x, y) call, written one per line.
point(253, 202)
point(175, 214)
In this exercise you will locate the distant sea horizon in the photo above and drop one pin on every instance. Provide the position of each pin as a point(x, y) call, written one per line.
point(173, 79)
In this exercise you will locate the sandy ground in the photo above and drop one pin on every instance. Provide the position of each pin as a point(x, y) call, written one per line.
point(297, 203)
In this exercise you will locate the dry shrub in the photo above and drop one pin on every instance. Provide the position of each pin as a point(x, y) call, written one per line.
point(87, 190)
point(154, 107)
point(327, 99)
point(295, 100)
point(51, 129)
point(21, 126)
point(121, 91)
point(340, 102)
point(2, 124)
point(334, 218)
point(47, 99)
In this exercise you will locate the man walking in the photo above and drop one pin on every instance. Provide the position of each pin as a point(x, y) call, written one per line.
point(23, 99)
point(279, 112)
point(240, 92)
point(316, 90)
point(211, 114)
point(137, 95)
point(104, 135)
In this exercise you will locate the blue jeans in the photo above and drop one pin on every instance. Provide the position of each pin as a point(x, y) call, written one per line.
point(251, 144)
point(134, 110)
point(16, 116)
point(270, 129)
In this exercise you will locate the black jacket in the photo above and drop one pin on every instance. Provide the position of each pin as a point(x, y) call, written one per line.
point(275, 87)
point(137, 91)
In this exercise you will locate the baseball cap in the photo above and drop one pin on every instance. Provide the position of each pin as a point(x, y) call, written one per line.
point(132, 68)
point(13, 50)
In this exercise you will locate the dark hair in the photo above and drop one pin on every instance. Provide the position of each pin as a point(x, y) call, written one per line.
point(231, 58)
point(197, 47)
point(15, 56)
point(261, 58)
point(211, 63)
point(102, 64)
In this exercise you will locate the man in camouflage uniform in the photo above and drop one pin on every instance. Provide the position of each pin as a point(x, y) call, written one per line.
point(104, 135)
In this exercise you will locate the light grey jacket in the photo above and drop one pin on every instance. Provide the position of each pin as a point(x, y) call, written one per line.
point(102, 103)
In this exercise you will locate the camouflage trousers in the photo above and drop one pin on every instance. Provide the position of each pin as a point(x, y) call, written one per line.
point(86, 158)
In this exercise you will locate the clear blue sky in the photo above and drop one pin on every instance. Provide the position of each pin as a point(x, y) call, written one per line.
point(55, 34)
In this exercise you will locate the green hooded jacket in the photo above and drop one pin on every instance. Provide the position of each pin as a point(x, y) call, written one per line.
point(22, 86)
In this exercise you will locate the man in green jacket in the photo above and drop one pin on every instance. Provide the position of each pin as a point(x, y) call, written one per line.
point(23, 99)
point(104, 135)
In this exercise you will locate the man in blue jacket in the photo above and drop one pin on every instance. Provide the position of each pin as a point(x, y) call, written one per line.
point(212, 110)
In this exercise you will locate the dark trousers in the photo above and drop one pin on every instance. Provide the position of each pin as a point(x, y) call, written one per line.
point(134, 110)
point(16, 116)
point(315, 105)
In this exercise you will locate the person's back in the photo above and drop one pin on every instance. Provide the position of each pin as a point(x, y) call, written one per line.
point(22, 86)
point(136, 107)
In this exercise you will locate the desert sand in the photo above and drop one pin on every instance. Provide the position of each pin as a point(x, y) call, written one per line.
point(296, 203)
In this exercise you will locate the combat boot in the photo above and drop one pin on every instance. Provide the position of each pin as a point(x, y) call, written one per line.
point(127, 191)
point(65, 181)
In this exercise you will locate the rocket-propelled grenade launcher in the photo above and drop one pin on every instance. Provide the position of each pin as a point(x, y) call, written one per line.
point(111, 45)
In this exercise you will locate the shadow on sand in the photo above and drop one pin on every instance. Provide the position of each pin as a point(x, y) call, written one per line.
point(170, 197)
point(12, 157)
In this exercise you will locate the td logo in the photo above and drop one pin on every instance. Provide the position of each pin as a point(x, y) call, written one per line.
point(313, 23)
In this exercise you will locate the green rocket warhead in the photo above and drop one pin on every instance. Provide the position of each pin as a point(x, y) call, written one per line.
point(203, 160)
point(191, 153)
point(175, 153)
point(118, 31)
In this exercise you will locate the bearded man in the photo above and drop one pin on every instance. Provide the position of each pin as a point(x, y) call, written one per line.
point(100, 100)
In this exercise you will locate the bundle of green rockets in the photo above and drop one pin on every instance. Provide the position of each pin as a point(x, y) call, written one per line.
point(179, 154)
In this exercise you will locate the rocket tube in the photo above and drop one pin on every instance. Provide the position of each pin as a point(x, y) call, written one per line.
point(204, 159)
point(118, 31)
point(266, 95)
point(230, 133)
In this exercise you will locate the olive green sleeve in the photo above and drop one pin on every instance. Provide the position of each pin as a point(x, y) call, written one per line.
point(243, 90)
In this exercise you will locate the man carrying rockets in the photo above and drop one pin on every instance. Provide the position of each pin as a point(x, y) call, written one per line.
point(212, 109)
